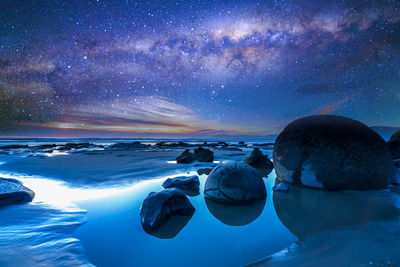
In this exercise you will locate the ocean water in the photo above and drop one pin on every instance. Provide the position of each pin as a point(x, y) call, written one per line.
point(86, 212)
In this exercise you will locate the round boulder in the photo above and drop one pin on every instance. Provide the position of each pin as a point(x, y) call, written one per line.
point(235, 183)
point(333, 153)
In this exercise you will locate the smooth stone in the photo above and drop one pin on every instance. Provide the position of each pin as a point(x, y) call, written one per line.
point(12, 192)
point(185, 157)
point(282, 187)
point(204, 155)
point(333, 153)
point(258, 160)
point(235, 183)
point(205, 171)
point(158, 207)
point(183, 182)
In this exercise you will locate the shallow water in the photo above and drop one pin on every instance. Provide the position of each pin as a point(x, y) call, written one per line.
point(113, 235)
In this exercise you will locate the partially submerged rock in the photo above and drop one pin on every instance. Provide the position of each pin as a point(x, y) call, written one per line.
point(183, 182)
point(128, 146)
point(205, 171)
point(204, 154)
point(185, 157)
point(258, 160)
point(13, 192)
point(333, 153)
point(158, 208)
point(235, 183)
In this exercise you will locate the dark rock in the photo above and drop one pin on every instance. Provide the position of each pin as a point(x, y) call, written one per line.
point(183, 182)
point(258, 160)
point(73, 146)
point(204, 154)
point(263, 144)
point(241, 143)
point(46, 146)
point(394, 145)
point(158, 208)
point(185, 157)
point(235, 215)
point(128, 146)
point(333, 153)
point(205, 171)
point(282, 187)
point(14, 146)
point(396, 164)
point(235, 183)
point(12, 192)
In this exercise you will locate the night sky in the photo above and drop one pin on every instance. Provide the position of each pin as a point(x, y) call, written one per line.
point(194, 68)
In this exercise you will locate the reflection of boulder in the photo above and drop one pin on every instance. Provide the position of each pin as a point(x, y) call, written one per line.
point(158, 208)
point(12, 192)
point(235, 215)
point(307, 211)
point(185, 157)
point(333, 153)
point(171, 228)
point(235, 183)
point(205, 171)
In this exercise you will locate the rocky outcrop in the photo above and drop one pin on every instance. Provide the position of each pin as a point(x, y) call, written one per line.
point(394, 145)
point(158, 208)
point(13, 192)
point(185, 157)
point(204, 154)
point(333, 153)
point(235, 183)
point(183, 182)
point(258, 160)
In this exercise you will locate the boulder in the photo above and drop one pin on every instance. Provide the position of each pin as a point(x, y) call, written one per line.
point(128, 146)
point(394, 145)
point(333, 153)
point(158, 208)
point(13, 192)
point(235, 183)
point(185, 157)
point(183, 182)
point(204, 154)
point(258, 160)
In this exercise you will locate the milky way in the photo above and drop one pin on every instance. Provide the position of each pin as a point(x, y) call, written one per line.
point(201, 68)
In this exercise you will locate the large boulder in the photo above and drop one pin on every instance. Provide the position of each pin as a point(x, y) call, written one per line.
point(204, 154)
point(235, 183)
point(258, 160)
point(185, 157)
point(333, 153)
point(394, 144)
point(183, 182)
point(158, 208)
point(13, 192)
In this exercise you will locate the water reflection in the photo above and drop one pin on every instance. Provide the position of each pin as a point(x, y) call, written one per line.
point(170, 229)
point(235, 215)
point(308, 211)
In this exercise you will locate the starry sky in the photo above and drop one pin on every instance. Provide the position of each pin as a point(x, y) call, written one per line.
point(194, 68)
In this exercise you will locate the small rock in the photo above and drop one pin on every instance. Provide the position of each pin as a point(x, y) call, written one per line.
point(204, 154)
point(258, 160)
point(158, 208)
point(282, 187)
point(185, 157)
point(12, 192)
point(183, 182)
